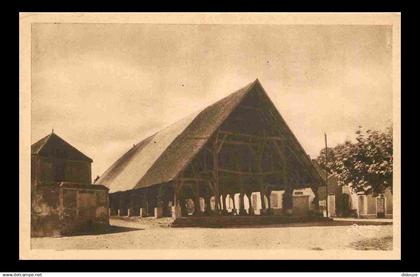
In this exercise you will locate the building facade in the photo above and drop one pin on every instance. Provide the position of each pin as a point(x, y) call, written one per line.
point(63, 199)
point(226, 159)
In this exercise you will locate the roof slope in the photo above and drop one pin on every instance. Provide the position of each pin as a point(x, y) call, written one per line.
point(162, 156)
point(126, 172)
point(46, 145)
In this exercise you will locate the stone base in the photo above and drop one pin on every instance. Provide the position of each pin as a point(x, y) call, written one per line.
point(270, 212)
point(142, 212)
point(198, 213)
point(242, 212)
point(288, 211)
point(130, 212)
point(158, 212)
point(176, 211)
point(224, 212)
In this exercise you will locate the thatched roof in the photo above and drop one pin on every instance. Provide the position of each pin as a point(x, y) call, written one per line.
point(162, 156)
point(48, 145)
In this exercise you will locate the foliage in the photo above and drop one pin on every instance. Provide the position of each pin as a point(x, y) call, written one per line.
point(366, 164)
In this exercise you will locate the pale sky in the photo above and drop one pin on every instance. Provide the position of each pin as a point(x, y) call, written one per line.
point(104, 87)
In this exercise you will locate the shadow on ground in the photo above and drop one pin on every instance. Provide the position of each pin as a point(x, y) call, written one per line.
point(384, 243)
point(111, 229)
point(303, 224)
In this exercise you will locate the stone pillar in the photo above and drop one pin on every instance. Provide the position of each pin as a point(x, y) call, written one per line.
point(129, 212)
point(242, 204)
point(196, 199)
point(197, 211)
point(176, 211)
point(380, 206)
point(207, 205)
point(202, 205)
point(158, 212)
point(251, 209)
point(142, 212)
point(263, 207)
point(223, 205)
point(232, 196)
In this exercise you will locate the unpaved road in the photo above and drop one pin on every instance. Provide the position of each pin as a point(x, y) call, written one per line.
point(155, 234)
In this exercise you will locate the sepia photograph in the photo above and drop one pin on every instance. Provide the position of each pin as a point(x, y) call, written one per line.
point(209, 136)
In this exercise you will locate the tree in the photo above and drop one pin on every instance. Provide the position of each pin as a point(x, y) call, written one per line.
point(365, 165)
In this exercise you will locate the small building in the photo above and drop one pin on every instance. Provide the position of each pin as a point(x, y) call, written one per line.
point(368, 205)
point(344, 202)
point(64, 201)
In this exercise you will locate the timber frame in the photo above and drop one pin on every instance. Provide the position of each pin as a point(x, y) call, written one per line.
point(252, 150)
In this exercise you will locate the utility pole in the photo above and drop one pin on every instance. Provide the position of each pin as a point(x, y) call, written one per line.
point(326, 173)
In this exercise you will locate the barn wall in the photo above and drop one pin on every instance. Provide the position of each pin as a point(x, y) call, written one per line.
point(388, 199)
point(49, 171)
point(45, 211)
point(78, 172)
point(60, 211)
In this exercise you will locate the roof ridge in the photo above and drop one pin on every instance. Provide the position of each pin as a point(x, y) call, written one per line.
point(41, 143)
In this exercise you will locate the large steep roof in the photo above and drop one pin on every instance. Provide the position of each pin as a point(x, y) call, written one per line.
point(162, 156)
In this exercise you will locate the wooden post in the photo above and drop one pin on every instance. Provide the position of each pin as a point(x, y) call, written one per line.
point(315, 202)
point(207, 204)
point(260, 178)
point(326, 173)
point(232, 196)
point(268, 195)
point(197, 210)
point(216, 173)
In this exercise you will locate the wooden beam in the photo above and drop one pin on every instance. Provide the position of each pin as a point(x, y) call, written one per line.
point(233, 142)
point(239, 172)
point(259, 156)
point(282, 149)
point(216, 171)
point(249, 107)
point(252, 136)
point(284, 163)
point(276, 118)
point(194, 179)
point(219, 147)
point(205, 137)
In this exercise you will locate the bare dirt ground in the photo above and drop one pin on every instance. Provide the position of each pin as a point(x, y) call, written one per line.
point(156, 234)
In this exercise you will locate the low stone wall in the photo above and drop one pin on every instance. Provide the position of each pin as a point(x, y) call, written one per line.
point(45, 212)
point(242, 221)
point(68, 209)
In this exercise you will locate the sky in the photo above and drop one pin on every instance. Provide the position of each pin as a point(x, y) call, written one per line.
point(105, 87)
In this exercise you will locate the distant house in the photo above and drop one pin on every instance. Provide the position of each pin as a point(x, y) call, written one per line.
point(367, 205)
point(344, 202)
point(63, 199)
